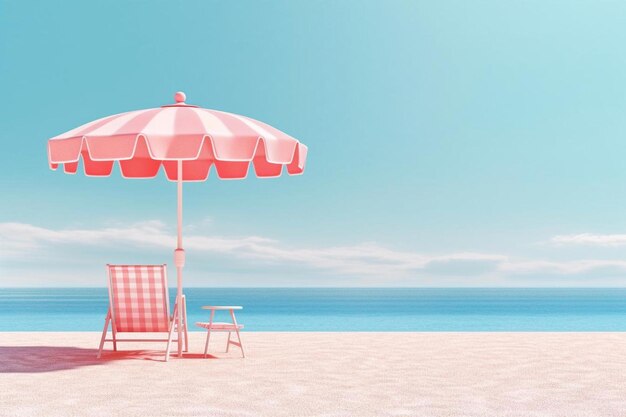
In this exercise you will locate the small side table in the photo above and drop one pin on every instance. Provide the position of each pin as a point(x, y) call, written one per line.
point(213, 326)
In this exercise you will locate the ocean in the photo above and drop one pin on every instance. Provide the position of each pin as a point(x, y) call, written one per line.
point(343, 309)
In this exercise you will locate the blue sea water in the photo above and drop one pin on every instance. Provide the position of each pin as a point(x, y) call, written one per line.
point(343, 309)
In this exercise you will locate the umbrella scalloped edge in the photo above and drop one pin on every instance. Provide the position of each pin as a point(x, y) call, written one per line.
point(141, 162)
point(144, 140)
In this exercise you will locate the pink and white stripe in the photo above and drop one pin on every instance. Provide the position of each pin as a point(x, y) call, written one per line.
point(142, 141)
point(138, 297)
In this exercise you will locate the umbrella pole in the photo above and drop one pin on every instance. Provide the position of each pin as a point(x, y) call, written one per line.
point(179, 258)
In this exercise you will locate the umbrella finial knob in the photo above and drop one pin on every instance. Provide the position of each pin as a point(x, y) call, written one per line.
point(180, 97)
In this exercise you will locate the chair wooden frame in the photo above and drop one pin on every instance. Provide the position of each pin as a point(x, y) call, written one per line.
point(171, 320)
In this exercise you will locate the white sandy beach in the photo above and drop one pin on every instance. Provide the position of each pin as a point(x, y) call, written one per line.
point(321, 374)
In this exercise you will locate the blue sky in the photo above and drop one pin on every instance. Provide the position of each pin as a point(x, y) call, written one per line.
point(451, 143)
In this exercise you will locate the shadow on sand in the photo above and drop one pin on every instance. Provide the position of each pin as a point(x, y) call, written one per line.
point(33, 359)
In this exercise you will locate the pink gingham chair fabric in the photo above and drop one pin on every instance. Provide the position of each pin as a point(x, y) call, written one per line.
point(139, 303)
point(139, 298)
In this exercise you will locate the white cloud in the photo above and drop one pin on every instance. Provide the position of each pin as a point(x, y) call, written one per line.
point(590, 239)
point(26, 250)
point(20, 240)
point(567, 268)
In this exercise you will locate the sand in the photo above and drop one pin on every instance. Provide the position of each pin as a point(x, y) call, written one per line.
point(320, 374)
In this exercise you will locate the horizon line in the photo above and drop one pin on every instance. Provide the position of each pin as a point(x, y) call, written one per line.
point(345, 287)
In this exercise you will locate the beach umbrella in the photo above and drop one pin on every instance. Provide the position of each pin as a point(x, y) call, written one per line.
point(187, 141)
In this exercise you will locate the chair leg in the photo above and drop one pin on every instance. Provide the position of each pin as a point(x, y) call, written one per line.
point(232, 316)
point(171, 333)
point(104, 333)
point(114, 337)
point(185, 324)
point(206, 345)
point(228, 342)
point(208, 336)
point(243, 355)
point(114, 332)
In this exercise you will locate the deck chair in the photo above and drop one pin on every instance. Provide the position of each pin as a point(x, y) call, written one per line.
point(139, 303)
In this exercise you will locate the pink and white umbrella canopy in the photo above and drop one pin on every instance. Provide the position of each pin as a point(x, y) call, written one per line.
point(181, 138)
point(144, 140)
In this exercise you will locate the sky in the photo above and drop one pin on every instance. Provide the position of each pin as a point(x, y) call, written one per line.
point(451, 143)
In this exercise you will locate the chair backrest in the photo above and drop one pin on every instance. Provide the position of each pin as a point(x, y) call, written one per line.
point(139, 298)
